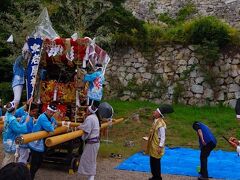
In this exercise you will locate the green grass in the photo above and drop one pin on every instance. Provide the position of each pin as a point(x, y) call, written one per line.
point(220, 119)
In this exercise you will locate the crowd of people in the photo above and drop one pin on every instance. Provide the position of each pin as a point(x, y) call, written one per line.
point(207, 142)
point(26, 119)
point(29, 122)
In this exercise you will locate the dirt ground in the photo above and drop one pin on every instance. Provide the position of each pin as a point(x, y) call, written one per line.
point(105, 171)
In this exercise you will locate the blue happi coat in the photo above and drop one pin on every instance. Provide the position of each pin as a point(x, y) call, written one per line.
point(29, 126)
point(12, 129)
point(18, 72)
point(95, 90)
point(20, 112)
point(43, 124)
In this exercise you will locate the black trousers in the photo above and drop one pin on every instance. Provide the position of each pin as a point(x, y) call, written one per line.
point(155, 165)
point(205, 152)
point(35, 162)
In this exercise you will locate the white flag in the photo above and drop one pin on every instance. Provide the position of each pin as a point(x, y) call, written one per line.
point(74, 36)
point(10, 39)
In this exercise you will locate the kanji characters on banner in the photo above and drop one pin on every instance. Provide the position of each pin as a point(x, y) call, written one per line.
point(35, 45)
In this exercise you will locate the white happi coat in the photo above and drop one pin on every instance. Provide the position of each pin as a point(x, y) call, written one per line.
point(88, 161)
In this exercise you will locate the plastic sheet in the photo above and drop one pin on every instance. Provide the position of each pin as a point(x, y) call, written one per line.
point(185, 161)
point(44, 27)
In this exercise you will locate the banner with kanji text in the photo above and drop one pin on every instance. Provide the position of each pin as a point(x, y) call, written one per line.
point(35, 45)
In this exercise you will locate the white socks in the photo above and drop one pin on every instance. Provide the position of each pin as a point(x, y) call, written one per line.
point(90, 177)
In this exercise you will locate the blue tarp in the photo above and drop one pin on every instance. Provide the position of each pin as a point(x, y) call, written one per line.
point(185, 161)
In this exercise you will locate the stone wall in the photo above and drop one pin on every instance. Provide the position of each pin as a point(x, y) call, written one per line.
point(227, 10)
point(130, 75)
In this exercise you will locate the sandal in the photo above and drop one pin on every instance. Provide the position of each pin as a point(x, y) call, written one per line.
point(117, 156)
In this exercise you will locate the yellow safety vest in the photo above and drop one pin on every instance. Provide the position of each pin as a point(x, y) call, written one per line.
point(153, 139)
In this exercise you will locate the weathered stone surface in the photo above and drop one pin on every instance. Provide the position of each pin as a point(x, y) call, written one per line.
point(234, 88)
point(141, 69)
point(193, 60)
point(220, 96)
point(224, 9)
point(208, 93)
point(129, 77)
point(196, 91)
point(182, 62)
point(137, 65)
point(232, 103)
point(199, 80)
point(146, 75)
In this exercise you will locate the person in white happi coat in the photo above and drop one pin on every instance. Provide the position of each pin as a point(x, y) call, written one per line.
point(91, 128)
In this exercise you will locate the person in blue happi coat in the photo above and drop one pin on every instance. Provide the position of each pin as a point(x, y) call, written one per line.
point(12, 129)
point(207, 143)
point(23, 110)
point(95, 90)
point(18, 78)
point(45, 122)
point(30, 117)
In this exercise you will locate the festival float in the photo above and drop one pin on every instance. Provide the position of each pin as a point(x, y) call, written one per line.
point(55, 72)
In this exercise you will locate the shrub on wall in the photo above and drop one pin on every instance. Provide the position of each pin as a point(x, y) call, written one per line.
point(209, 54)
point(207, 29)
point(182, 15)
point(154, 34)
point(186, 12)
point(178, 92)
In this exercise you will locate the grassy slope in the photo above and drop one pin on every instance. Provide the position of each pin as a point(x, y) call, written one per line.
point(221, 120)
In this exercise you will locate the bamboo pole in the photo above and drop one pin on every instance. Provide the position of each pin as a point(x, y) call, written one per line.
point(72, 124)
point(52, 141)
point(2, 119)
point(26, 138)
point(59, 123)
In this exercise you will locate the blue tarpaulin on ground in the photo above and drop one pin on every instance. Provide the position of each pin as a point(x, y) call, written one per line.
point(185, 161)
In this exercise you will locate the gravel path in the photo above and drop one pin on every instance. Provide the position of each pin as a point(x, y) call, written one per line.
point(105, 171)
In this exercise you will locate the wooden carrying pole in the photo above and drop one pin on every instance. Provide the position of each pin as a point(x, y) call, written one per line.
point(1, 127)
point(59, 123)
point(72, 124)
point(26, 138)
point(52, 141)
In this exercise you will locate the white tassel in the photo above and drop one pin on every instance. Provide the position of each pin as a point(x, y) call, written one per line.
point(16, 155)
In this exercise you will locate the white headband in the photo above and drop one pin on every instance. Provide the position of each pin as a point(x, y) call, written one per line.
point(91, 110)
point(11, 107)
point(158, 110)
point(50, 109)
